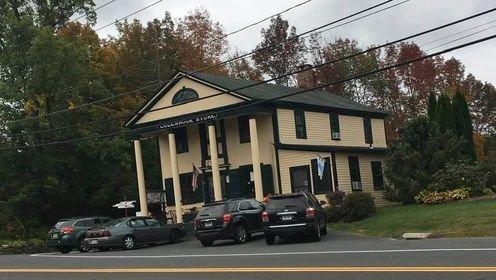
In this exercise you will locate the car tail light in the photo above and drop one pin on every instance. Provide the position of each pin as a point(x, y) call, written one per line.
point(105, 233)
point(265, 217)
point(67, 230)
point(310, 213)
point(227, 218)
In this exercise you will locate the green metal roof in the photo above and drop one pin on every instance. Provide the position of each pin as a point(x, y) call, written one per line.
point(268, 91)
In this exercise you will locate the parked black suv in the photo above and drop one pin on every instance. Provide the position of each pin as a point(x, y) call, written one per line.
point(296, 213)
point(233, 219)
point(68, 234)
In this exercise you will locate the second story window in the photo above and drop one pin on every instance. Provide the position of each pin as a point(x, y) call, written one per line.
point(335, 132)
point(181, 140)
point(244, 129)
point(300, 125)
point(367, 127)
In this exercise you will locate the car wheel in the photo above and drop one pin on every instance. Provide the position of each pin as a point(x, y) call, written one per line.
point(323, 231)
point(240, 235)
point(65, 250)
point(82, 246)
point(315, 234)
point(270, 239)
point(174, 235)
point(206, 243)
point(103, 249)
point(128, 243)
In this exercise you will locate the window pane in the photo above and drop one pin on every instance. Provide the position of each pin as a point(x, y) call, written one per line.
point(335, 131)
point(356, 184)
point(300, 125)
point(244, 129)
point(367, 126)
point(181, 136)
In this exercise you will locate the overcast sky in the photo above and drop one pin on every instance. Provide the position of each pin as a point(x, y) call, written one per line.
point(408, 18)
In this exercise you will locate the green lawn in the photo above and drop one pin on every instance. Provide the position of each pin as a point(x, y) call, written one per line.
point(456, 219)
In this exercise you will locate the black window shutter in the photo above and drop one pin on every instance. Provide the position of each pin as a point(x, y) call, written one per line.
point(367, 126)
point(377, 175)
point(244, 129)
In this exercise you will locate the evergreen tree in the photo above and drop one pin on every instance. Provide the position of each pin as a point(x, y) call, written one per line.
point(431, 107)
point(444, 114)
point(463, 123)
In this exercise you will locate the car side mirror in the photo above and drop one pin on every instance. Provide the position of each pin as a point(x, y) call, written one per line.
point(322, 202)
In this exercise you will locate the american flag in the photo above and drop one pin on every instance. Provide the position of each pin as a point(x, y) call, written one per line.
point(194, 180)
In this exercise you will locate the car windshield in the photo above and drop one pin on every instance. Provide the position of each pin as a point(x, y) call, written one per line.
point(213, 210)
point(114, 223)
point(282, 202)
point(63, 223)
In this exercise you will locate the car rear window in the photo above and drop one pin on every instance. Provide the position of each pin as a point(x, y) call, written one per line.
point(63, 223)
point(114, 223)
point(213, 210)
point(287, 202)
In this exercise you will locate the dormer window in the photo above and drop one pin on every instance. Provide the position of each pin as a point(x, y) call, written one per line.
point(184, 95)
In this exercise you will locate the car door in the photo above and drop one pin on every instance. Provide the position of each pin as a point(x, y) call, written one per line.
point(157, 231)
point(140, 230)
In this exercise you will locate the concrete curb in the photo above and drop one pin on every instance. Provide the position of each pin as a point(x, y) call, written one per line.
point(417, 235)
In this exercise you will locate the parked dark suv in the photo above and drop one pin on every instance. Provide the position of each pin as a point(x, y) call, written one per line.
point(232, 219)
point(68, 234)
point(296, 213)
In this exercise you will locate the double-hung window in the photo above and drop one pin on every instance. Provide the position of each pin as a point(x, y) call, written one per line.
point(181, 140)
point(356, 181)
point(335, 132)
point(300, 125)
point(367, 126)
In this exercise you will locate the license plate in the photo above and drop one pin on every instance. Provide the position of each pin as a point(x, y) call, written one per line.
point(287, 218)
point(55, 236)
point(92, 242)
point(208, 224)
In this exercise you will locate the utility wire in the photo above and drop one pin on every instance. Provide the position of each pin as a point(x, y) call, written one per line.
point(207, 67)
point(96, 9)
point(265, 81)
point(461, 38)
point(131, 14)
point(359, 76)
point(262, 20)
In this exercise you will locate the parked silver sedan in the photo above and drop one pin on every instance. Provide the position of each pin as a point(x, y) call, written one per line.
point(127, 233)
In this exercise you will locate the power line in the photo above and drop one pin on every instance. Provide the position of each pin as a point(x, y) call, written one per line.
point(264, 19)
point(211, 66)
point(359, 76)
point(457, 33)
point(269, 80)
point(461, 38)
point(96, 9)
point(131, 14)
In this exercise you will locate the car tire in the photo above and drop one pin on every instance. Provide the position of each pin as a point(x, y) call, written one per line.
point(206, 243)
point(240, 235)
point(65, 250)
point(128, 242)
point(315, 234)
point(82, 247)
point(270, 239)
point(103, 249)
point(323, 231)
point(174, 235)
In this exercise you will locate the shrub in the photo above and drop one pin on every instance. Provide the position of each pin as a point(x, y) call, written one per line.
point(357, 206)
point(465, 174)
point(334, 214)
point(335, 198)
point(434, 197)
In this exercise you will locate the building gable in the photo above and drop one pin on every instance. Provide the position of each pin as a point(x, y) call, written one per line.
point(167, 103)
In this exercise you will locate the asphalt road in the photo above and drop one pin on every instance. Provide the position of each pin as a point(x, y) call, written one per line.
point(336, 256)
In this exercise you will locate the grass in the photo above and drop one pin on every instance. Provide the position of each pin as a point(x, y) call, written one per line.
point(455, 219)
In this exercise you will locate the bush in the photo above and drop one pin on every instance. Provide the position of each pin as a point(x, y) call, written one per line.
point(335, 198)
point(460, 175)
point(357, 206)
point(434, 197)
point(334, 214)
point(29, 246)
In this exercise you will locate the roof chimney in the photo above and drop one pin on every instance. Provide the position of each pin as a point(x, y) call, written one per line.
point(305, 78)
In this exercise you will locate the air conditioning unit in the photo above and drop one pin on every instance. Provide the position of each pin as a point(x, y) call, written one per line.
point(357, 185)
point(336, 135)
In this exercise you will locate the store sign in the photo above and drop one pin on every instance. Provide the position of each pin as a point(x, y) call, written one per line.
point(188, 121)
point(125, 204)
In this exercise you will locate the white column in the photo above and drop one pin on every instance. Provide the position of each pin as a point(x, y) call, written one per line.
point(255, 158)
point(214, 158)
point(140, 174)
point(162, 149)
point(175, 178)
